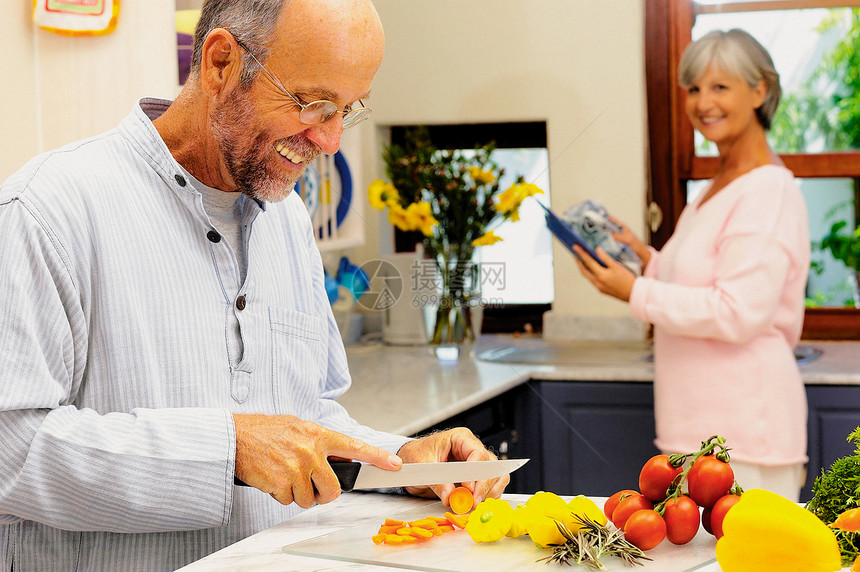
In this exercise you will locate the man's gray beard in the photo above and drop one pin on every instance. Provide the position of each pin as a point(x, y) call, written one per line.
point(248, 171)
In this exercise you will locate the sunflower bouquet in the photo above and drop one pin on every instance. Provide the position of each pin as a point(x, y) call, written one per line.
point(454, 199)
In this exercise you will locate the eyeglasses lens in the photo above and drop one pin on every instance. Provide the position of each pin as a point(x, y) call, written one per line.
point(356, 116)
point(321, 111)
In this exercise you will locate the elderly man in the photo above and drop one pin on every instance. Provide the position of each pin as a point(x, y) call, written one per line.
point(166, 331)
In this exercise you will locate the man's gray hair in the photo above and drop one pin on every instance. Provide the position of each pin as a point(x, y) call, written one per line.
point(252, 22)
point(736, 53)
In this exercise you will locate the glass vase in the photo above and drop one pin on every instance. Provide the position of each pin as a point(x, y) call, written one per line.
point(455, 317)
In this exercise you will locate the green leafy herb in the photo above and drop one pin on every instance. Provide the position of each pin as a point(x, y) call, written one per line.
point(836, 491)
point(591, 543)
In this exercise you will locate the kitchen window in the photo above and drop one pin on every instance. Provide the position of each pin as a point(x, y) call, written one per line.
point(816, 131)
point(520, 292)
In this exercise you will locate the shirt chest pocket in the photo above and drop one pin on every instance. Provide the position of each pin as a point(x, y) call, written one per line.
point(297, 361)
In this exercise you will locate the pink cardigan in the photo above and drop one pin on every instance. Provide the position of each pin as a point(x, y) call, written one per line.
point(726, 298)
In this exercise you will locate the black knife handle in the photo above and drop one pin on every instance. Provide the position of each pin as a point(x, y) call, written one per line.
point(345, 471)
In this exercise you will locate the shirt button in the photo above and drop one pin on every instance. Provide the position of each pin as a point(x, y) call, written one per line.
point(180, 179)
point(213, 236)
point(240, 303)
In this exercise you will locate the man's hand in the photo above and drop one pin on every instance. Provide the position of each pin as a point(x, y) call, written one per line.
point(288, 457)
point(452, 445)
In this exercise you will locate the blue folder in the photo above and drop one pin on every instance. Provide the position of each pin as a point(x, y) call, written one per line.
point(562, 231)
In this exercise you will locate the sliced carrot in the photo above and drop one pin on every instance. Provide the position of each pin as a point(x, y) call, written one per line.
point(404, 531)
point(444, 528)
point(424, 523)
point(439, 520)
point(457, 520)
point(419, 532)
point(378, 538)
point(384, 529)
point(394, 539)
point(848, 520)
point(394, 522)
point(461, 500)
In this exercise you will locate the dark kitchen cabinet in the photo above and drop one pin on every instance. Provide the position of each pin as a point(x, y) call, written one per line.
point(582, 437)
point(593, 437)
point(834, 412)
point(596, 436)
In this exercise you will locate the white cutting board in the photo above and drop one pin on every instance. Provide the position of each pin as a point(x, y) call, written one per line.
point(456, 552)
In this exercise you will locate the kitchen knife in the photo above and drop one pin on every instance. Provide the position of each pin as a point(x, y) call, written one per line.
point(355, 475)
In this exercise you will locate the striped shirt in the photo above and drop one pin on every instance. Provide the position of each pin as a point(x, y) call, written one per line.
point(117, 381)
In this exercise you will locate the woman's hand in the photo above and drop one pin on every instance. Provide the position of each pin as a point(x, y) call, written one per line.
point(615, 280)
point(627, 237)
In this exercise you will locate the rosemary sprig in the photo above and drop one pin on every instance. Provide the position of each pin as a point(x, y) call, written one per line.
point(592, 542)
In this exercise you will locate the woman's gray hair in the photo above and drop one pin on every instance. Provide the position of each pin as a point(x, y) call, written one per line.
point(252, 22)
point(737, 53)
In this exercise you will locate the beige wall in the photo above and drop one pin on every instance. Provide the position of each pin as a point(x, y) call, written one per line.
point(56, 89)
point(576, 64)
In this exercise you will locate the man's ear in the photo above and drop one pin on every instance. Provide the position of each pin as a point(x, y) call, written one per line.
point(220, 62)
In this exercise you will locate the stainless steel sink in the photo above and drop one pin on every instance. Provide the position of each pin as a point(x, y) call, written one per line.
point(561, 353)
point(806, 354)
point(585, 353)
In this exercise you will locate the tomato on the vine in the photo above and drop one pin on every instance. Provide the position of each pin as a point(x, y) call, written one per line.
point(709, 479)
point(612, 502)
point(645, 529)
point(628, 506)
point(655, 477)
point(682, 519)
point(718, 512)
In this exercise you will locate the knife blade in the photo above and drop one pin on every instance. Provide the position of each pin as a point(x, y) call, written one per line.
point(355, 475)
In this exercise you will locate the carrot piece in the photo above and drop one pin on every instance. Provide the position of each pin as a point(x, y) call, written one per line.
point(461, 500)
point(389, 529)
point(404, 531)
point(378, 538)
point(419, 532)
point(394, 539)
point(408, 539)
point(424, 523)
point(439, 520)
point(457, 520)
point(848, 520)
point(394, 522)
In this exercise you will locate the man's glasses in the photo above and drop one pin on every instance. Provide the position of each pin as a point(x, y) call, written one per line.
point(318, 111)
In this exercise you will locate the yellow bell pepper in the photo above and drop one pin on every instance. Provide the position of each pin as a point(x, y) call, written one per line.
point(766, 532)
point(490, 520)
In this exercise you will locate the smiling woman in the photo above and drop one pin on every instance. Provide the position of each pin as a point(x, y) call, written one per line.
point(812, 129)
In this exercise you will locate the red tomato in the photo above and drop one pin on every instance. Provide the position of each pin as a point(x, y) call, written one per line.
point(708, 480)
point(682, 519)
point(628, 506)
point(706, 520)
point(656, 476)
point(612, 502)
point(645, 528)
point(718, 513)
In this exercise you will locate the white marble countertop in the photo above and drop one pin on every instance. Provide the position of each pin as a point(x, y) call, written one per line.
point(355, 516)
point(406, 389)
